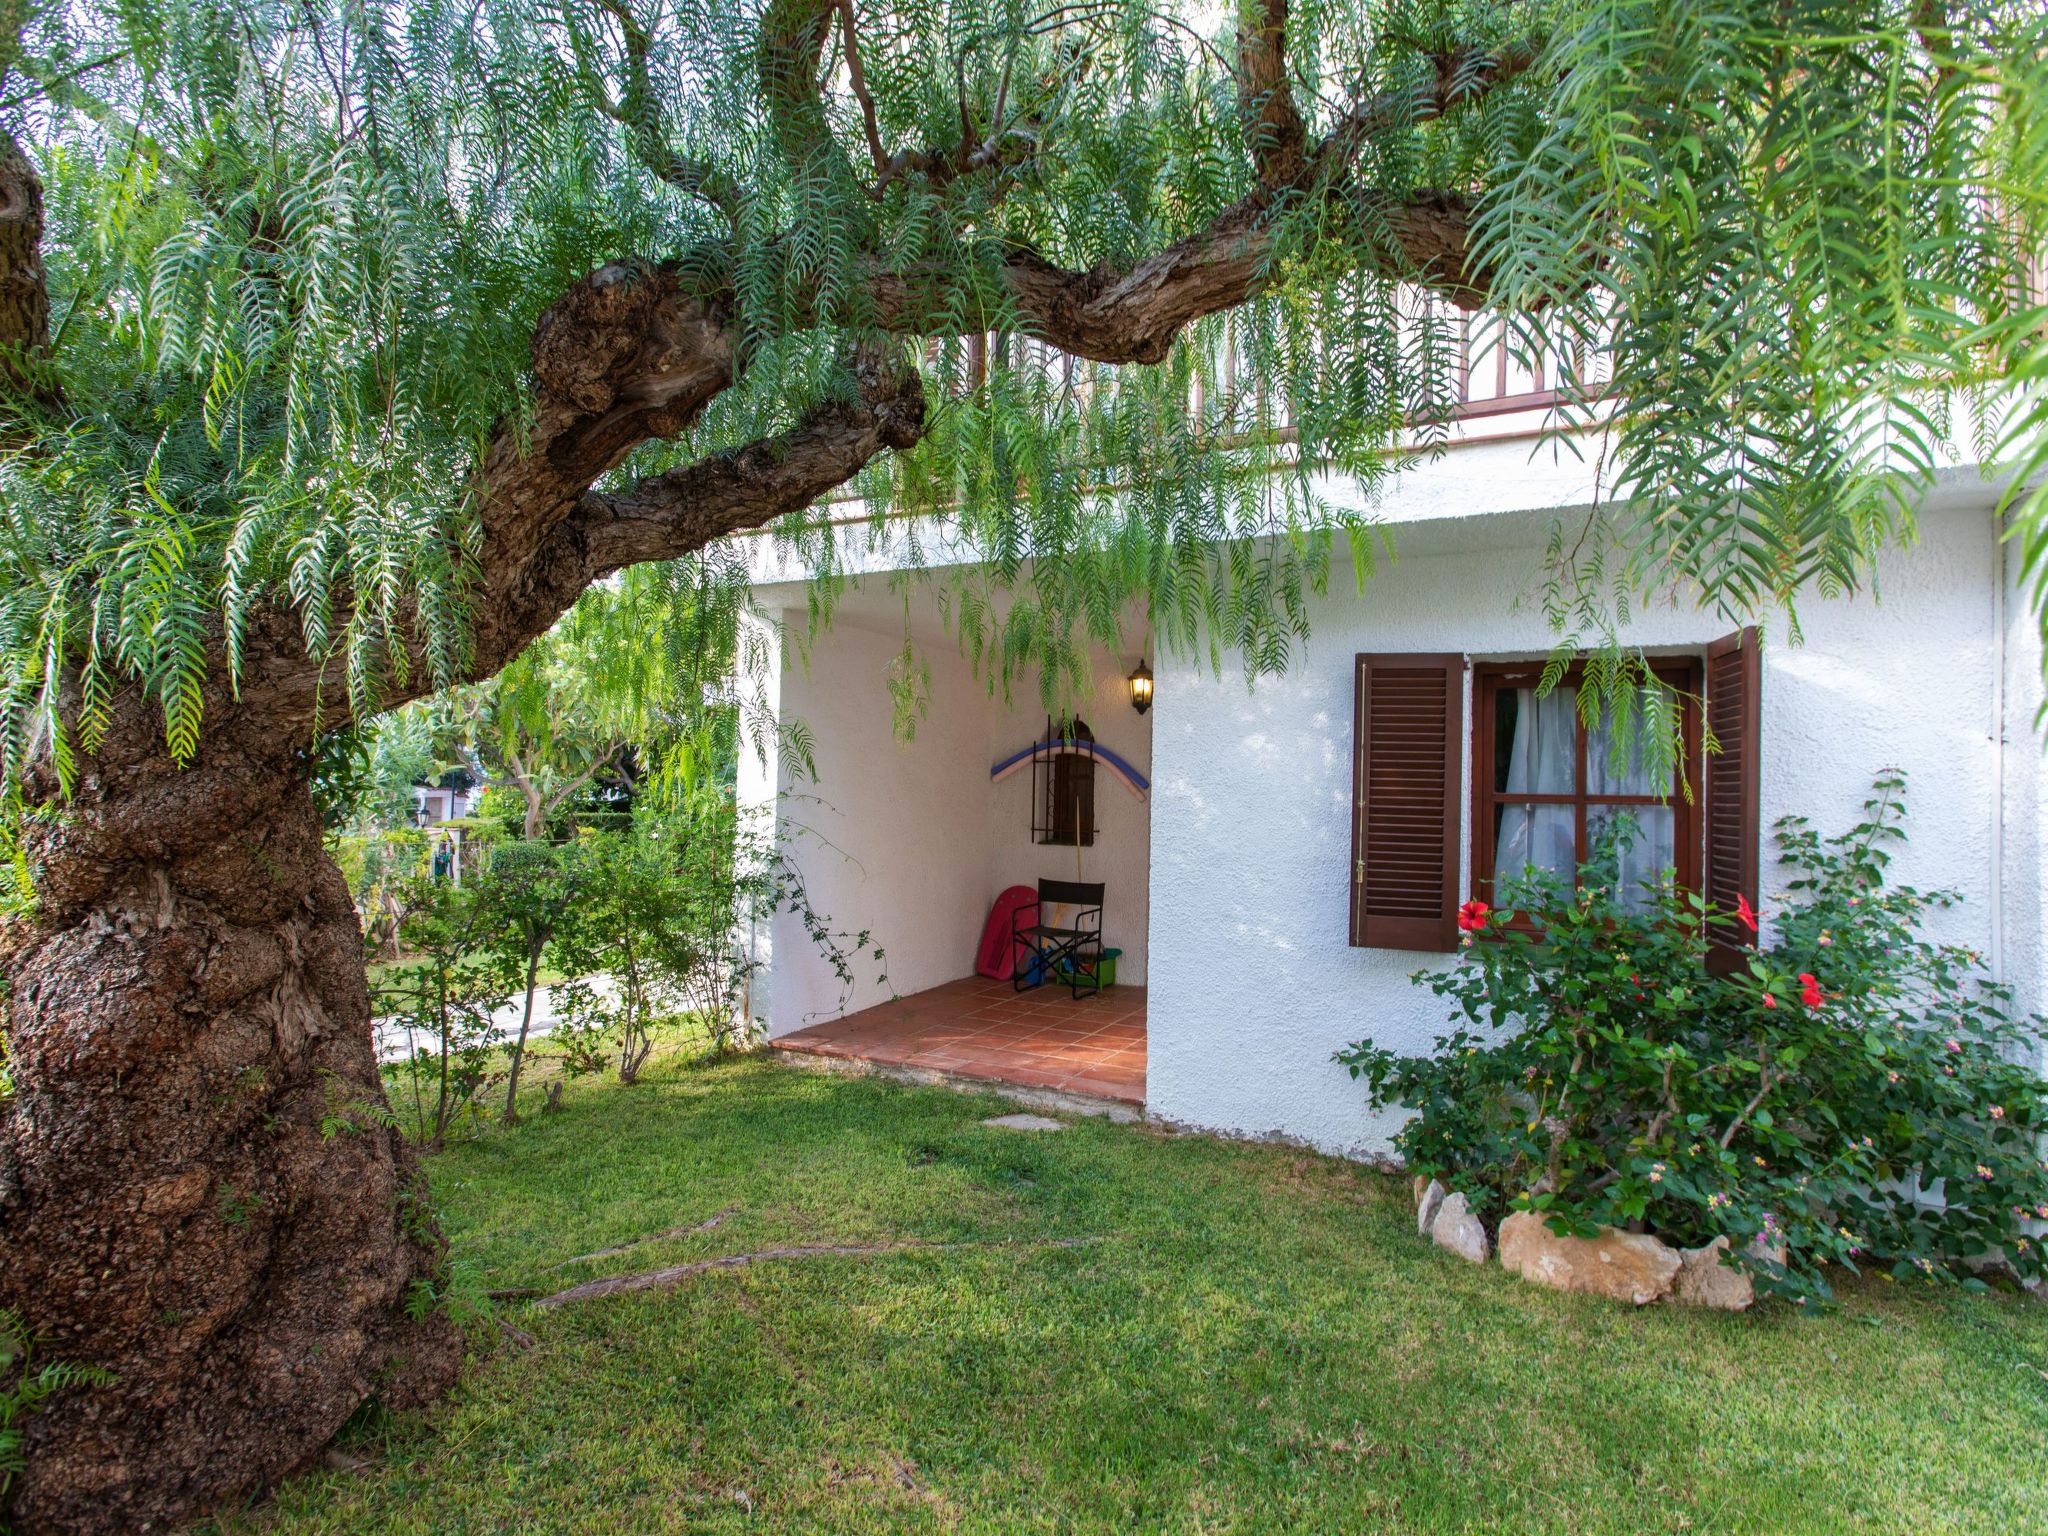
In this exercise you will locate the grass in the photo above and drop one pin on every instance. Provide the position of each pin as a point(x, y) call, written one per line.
point(407, 970)
point(1261, 1345)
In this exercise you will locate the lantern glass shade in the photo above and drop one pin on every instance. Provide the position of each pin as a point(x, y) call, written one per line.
point(1141, 687)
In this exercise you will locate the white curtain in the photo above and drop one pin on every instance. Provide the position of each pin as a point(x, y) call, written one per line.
point(1541, 761)
point(1642, 863)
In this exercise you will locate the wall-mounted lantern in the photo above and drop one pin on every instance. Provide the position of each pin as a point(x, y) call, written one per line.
point(1141, 686)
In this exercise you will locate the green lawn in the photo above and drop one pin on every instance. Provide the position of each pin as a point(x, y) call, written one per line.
point(1260, 1344)
point(407, 969)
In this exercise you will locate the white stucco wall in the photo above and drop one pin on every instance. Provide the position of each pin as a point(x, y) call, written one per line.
point(908, 839)
point(1253, 984)
point(2019, 854)
point(891, 835)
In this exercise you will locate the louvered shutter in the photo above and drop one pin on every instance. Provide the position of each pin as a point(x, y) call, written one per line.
point(1734, 699)
point(1409, 753)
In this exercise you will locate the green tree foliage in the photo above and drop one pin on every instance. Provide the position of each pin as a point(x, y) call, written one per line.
point(365, 773)
point(530, 891)
point(307, 268)
point(636, 671)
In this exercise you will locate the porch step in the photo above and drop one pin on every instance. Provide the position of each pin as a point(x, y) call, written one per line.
point(990, 1035)
point(1056, 1100)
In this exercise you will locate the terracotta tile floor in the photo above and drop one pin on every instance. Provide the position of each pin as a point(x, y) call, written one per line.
point(982, 1029)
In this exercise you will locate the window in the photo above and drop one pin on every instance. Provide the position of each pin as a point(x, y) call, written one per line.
point(1068, 816)
point(1543, 787)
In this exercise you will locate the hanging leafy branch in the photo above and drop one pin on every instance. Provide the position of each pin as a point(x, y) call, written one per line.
point(343, 347)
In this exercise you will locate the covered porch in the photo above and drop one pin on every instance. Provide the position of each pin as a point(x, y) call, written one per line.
point(919, 842)
point(985, 1031)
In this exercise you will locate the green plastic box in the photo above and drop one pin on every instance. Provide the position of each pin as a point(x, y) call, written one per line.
point(1105, 968)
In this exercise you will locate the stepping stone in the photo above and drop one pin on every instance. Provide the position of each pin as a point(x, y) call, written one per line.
point(1026, 1123)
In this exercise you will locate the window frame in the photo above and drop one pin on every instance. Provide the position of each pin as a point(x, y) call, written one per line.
point(1684, 673)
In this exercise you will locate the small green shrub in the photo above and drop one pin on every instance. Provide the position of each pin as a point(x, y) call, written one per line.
point(527, 889)
point(442, 1000)
point(659, 932)
point(1853, 1094)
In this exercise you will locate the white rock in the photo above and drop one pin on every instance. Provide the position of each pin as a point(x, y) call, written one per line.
point(1457, 1229)
point(1628, 1266)
point(1427, 1205)
point(1704, 1281)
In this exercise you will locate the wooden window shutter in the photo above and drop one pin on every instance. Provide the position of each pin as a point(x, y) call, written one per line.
point(1409, 740)
point(1734, 699)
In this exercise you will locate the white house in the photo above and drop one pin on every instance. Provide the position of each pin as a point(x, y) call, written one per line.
point(435, 803)
point(1265, 918)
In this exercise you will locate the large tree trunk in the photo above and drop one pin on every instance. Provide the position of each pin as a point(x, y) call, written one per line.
point(189, 1004)
point(187, 1008)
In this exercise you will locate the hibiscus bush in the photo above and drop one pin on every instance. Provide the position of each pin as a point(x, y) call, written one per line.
point(1850, 1093)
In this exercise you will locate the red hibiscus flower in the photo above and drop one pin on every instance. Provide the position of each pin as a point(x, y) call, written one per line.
point(1472, 916)
point(1770, 1001)
point(1746, 912)
point(1809, 989)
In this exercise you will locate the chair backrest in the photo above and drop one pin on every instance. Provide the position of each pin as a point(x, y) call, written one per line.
point(1080, 893)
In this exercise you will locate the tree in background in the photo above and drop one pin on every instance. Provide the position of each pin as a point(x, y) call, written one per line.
point(344, 346)
point(530, 890)
point(637, 668)
point(534, 730)
point(442, 1001)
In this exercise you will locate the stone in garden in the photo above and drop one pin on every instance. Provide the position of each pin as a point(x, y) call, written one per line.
point(1704, 1281)
point(1775, 1252)
point(1026, 1123)
point(1457, 1229)
point(1627, 1266)
point(1427, 1202)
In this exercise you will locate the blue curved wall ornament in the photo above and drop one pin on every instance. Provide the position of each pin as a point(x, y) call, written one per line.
point(1122, 771)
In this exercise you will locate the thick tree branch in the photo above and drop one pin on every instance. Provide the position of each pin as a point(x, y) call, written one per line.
point(1134, 315)
point(624, 358)
point(684, 509)
point(790, 53)
point(24, 298)
point(635, 351)
point(1274, 131)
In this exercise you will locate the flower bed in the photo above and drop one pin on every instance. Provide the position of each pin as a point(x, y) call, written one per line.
point(1848, 1094)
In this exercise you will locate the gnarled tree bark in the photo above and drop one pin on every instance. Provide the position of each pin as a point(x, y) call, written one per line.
point(186, 1013)
point(197, 1189)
